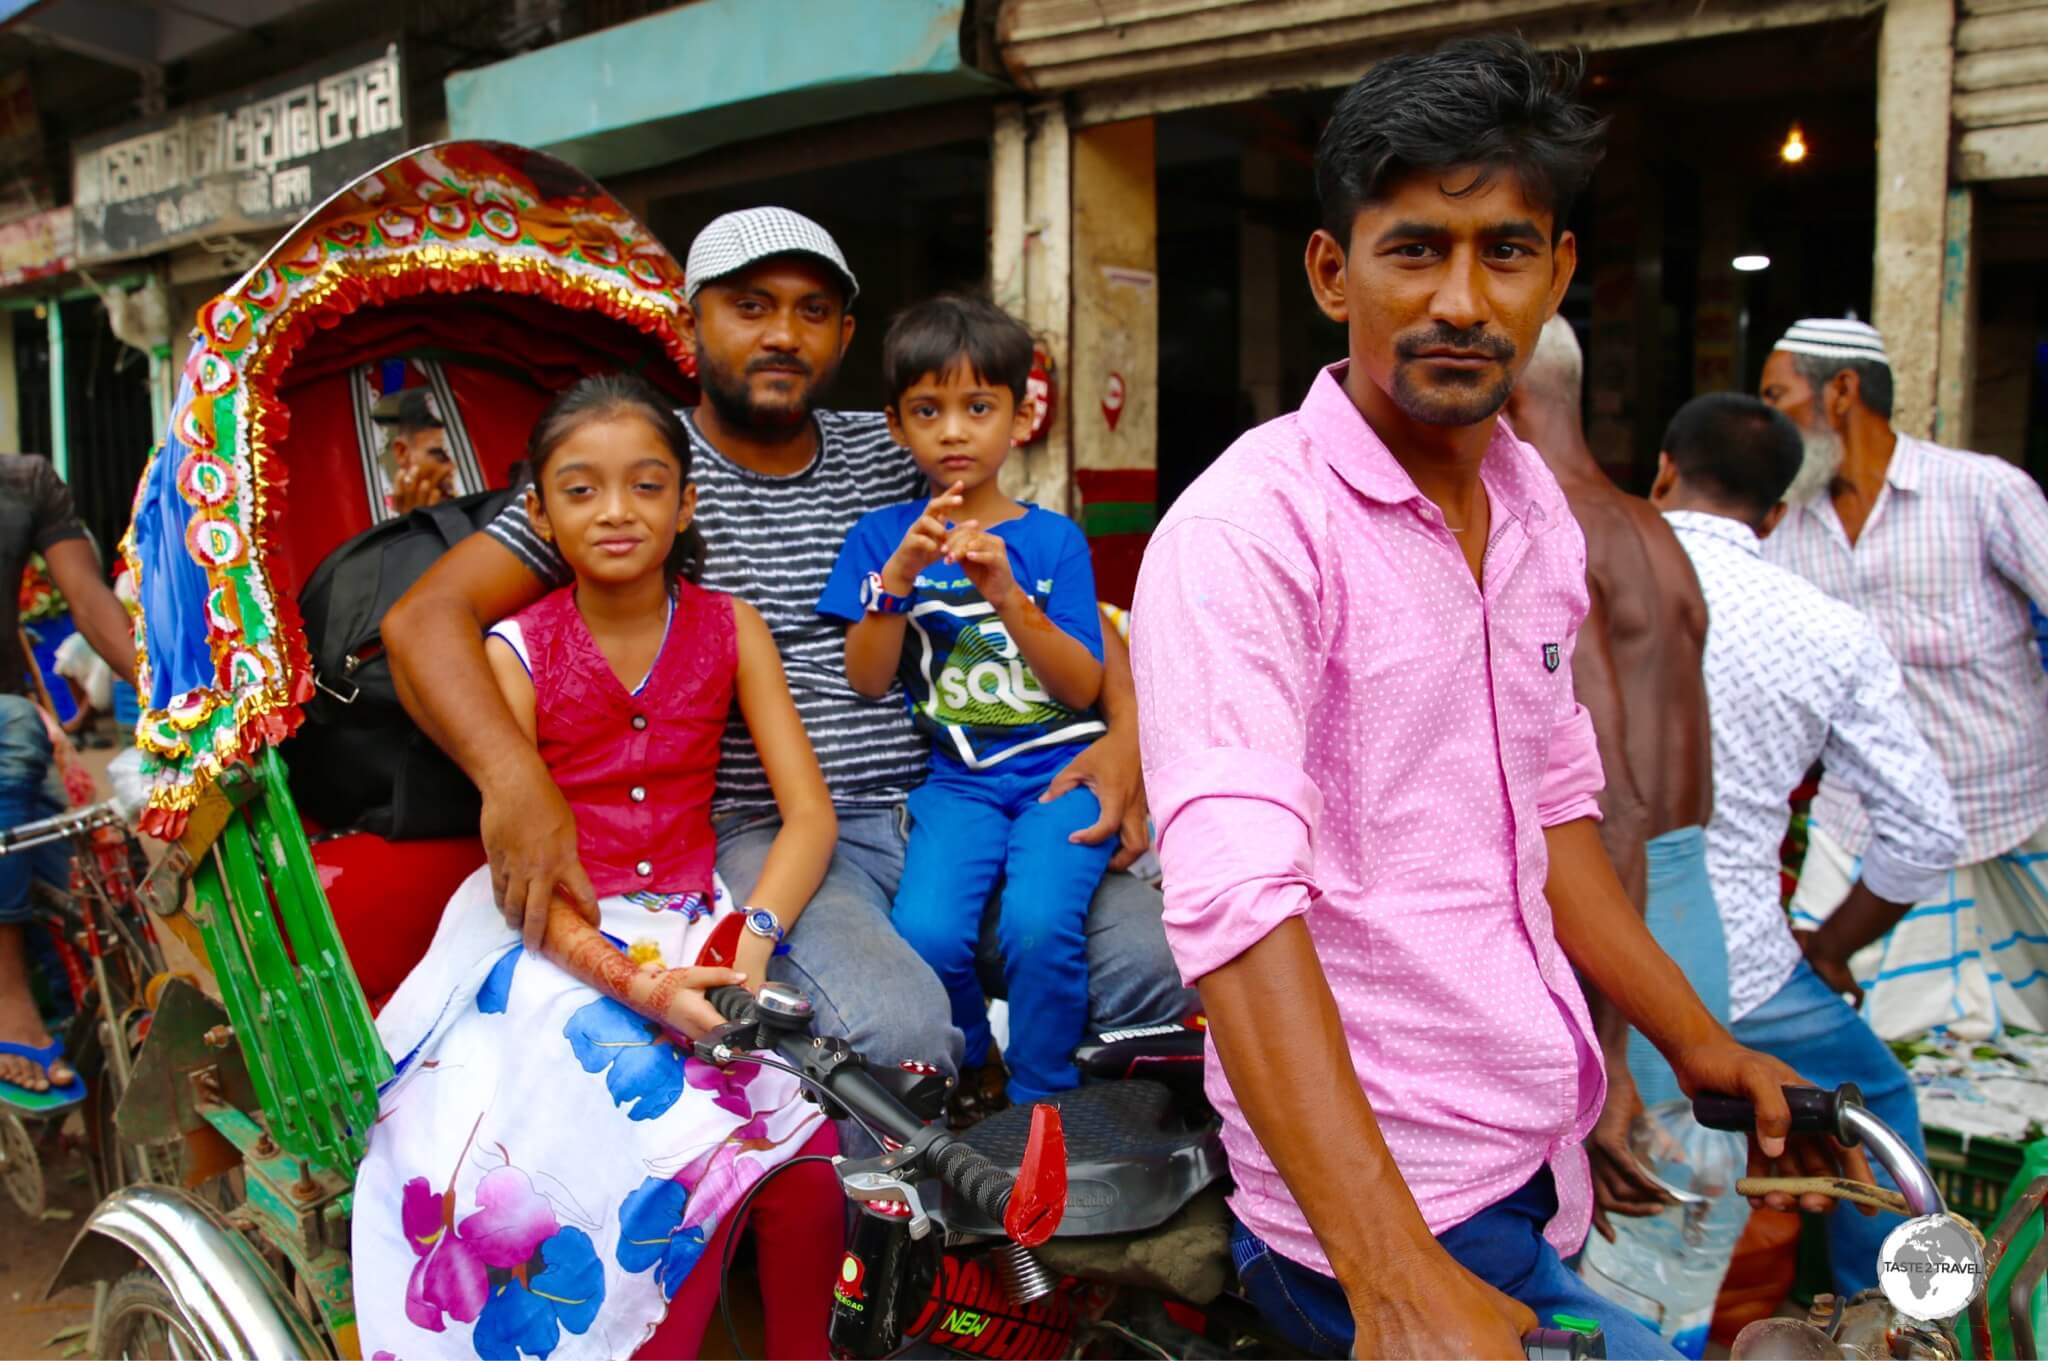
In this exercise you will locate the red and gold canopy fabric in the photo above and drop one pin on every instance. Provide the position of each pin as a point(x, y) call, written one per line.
point(477, 252)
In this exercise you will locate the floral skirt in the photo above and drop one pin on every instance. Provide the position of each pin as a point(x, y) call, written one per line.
point(546, 1166)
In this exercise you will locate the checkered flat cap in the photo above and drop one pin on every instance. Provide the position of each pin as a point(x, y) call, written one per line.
point(732, 242)
point(1836, 338)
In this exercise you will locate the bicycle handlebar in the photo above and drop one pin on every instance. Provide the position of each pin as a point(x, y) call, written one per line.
point(1841, 1114)
point(983, 1184)
point(61, 827)
point(1815, 1110)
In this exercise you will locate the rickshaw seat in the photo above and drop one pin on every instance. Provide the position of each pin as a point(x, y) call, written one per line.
point(387, 898)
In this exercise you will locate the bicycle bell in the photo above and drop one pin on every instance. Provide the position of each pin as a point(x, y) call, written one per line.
point(781, 1006)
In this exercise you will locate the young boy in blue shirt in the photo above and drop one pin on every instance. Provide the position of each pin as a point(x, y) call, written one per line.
point(984, 607)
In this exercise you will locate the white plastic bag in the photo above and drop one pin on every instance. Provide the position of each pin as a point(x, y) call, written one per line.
point(131, 785)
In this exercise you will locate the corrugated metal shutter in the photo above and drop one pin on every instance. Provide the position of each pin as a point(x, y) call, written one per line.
point(2001, 90)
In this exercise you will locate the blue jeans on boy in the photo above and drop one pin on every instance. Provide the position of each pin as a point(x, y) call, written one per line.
point(1805, 1024)
point(869, 987)
point(29, 790)
point(1502, 1245)
point(969, 828)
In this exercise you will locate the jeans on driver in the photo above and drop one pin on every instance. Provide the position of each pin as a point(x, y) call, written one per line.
point(29, 789)
point(871, 989)
point(1502, 1245)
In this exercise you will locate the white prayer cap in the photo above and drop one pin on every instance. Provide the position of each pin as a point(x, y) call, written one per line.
point(1835, 338)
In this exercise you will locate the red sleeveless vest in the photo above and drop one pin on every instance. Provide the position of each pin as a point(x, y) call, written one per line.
point(637, 769)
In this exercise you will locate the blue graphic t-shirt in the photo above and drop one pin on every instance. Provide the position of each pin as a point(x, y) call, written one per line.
point(967, 685)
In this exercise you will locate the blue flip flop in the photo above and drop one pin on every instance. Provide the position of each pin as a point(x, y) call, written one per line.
point(40, 1103)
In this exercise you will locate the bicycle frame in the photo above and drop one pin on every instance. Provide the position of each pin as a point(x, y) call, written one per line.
point(295, 1038)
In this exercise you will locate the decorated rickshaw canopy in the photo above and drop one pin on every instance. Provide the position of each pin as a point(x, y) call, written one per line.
point(488, 273)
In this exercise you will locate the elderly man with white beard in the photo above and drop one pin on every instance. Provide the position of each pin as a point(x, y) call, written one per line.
point(1942, 549)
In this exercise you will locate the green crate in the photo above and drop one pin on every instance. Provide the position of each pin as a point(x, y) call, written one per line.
point(1973, 1172)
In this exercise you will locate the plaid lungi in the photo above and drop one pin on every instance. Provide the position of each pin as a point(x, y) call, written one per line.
point(1972, 960)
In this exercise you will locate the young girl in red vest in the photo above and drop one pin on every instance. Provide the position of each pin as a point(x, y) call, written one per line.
point(549, 1174)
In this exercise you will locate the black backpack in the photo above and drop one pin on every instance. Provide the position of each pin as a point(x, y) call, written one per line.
point(359, 762)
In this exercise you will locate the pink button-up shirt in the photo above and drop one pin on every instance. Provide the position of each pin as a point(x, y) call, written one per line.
point(1339, 724)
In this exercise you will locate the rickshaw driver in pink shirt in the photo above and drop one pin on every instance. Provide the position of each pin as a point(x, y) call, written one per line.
point(1375, 789)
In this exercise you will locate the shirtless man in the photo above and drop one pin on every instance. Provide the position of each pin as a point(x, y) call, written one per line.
point(1637, 671)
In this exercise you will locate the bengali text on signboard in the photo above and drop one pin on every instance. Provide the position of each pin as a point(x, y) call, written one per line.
point(258, 158)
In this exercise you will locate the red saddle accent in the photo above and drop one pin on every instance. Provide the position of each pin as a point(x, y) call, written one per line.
point(387, 898)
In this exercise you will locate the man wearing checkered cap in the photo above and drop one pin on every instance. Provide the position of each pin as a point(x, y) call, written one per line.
point(780, 482)
point(1943, 550)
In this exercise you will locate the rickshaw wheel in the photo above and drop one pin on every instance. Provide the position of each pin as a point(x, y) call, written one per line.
point(141, 1319)
point(21, 1166)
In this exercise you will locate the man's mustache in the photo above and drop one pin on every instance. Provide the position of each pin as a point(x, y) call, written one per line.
point(778, 364)
point(1471, 340)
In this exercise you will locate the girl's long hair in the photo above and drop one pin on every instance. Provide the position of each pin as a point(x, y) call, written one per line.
point(602, 397)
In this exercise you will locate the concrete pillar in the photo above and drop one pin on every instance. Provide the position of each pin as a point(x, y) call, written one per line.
point(10, 389)
point(60, 411)
point(1956, 368)
point(1915, 69)
point(1031, 274)
point(1115, 375)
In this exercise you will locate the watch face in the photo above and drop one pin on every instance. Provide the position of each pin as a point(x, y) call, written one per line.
point(761, 922)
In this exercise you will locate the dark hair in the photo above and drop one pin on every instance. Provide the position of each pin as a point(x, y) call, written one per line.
point(1494, 103)
point(1732, 448)
point(601, 397)
point(934, 335)
point(1873, 378)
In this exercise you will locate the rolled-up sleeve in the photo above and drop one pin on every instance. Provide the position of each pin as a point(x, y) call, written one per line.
point(1225, 645)
point(1875, 750)
point(1573, 779)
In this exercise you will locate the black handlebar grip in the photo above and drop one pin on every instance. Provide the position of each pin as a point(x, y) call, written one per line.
point(986, 1186)
point(733, 1002)
point(1815, 1110)
point(1562, 1344)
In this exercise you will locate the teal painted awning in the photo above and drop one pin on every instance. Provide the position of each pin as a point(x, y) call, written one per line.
point(714, 72)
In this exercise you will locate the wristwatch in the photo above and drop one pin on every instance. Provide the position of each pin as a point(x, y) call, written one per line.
point(762, 923)
point(876, 600)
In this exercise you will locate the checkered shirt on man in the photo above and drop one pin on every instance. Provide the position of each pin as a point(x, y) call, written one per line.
point(1955, 547)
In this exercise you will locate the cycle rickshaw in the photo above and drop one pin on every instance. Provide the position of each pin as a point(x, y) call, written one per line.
point(487, 277)
point(473, 281)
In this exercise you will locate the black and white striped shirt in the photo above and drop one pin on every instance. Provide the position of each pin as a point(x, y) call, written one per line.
point(772, 542)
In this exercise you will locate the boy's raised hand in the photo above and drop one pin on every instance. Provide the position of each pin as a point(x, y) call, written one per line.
point(923, 543)
point(986, 560)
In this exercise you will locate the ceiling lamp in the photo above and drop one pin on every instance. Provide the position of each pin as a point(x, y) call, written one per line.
point(1751, 264)
point(1794, 150)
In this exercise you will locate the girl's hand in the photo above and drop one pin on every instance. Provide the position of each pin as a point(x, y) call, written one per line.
point(678, 1000)
point(922, 544)
point(751, 959)
point(986, 560)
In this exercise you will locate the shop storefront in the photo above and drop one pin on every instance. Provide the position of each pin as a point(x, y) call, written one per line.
point(1152, 193)
point(876, 123)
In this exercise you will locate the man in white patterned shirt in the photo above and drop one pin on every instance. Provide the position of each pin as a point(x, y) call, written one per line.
point(1942, 549)
point(1794, 676)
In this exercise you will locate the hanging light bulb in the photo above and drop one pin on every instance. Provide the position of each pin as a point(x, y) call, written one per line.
point(1794, 150)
